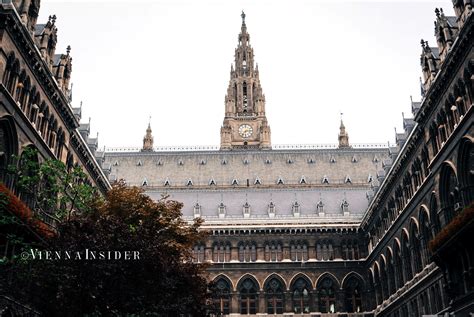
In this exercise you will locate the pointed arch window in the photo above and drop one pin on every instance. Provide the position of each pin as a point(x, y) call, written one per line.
point(353, 297)
point(273, 252)
point(245, 98)
point(198, 253)
point(248, 297)
point(275, 297)
point(301, 296)
point(326, 296)
point(222, 297)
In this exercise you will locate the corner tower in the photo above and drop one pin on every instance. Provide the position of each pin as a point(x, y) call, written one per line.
point(245, 124)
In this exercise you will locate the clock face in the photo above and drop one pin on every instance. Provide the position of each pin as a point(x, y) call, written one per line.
point(245, 130)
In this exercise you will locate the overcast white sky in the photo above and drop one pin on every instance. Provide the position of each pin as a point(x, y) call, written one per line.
point(171, 60)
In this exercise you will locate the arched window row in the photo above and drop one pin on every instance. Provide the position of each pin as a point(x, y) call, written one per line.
point(298, 296)
point(453, 109)
point(276, 251)
point(28, 98)
point(405, 257)
point(403, 193)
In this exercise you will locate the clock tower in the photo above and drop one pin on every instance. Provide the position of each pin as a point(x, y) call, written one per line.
point(245, 124)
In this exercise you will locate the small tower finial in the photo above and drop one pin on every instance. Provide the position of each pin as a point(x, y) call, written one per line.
point(148, 138)
point(243, 17)
point(68, 49)
point(343, 135)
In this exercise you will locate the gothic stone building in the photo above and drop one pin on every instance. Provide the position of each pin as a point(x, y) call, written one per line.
point(348, 230)
point(35, 108)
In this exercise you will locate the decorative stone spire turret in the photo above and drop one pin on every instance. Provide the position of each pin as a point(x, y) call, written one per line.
point(343, 136)
point(245, 124)
point(148, 140)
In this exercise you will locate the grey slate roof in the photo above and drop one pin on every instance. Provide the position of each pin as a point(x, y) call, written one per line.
point(360, 165)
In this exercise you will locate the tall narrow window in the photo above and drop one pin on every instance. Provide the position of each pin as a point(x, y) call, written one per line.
point(275, 296)
point(245, 100)
point(222, 297)
point(301, 296)
point(248, 297)
point(327, 298)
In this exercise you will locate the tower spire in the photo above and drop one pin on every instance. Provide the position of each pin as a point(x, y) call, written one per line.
point(245, 124)
point(148, 139)
point(343, 135)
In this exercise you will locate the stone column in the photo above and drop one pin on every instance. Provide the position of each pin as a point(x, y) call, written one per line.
point(261, 302)
point(234, 305)
point(288, 302)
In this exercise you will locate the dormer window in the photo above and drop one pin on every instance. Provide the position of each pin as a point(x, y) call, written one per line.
point(320, 207)
point(221, 210)
point(289, 161)
point(348, 180)
point(257, 181)
point(180, 163)
point(303, 180)
point(235, 182)
point(145, 182)
point(268, 161)
point(116, 163)
point(271, 209)
point(246, 209)
point(311, 161)
point(280, 181)
point(345, 206)
point(202, 162)
point(159, 163)
point(354, 159)
point(212, 182)
point(224, 162)
point(246, 162)
point(332, 159)
point(370, 179)
point(197, 210)
point(295, 209)
point(167, 182)
point(189, 182)
point(139, 163)
point(325, 180)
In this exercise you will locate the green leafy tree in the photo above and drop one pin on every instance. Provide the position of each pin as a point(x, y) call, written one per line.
point(162, 281)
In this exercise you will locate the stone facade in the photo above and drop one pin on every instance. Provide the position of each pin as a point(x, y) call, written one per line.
point(35, 96)
point(334, 231)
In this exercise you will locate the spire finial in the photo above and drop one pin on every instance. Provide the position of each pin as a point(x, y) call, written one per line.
point(53, 19)
point(243, 17)
point(437, 12)
point(68, 49)
point(149, 121)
